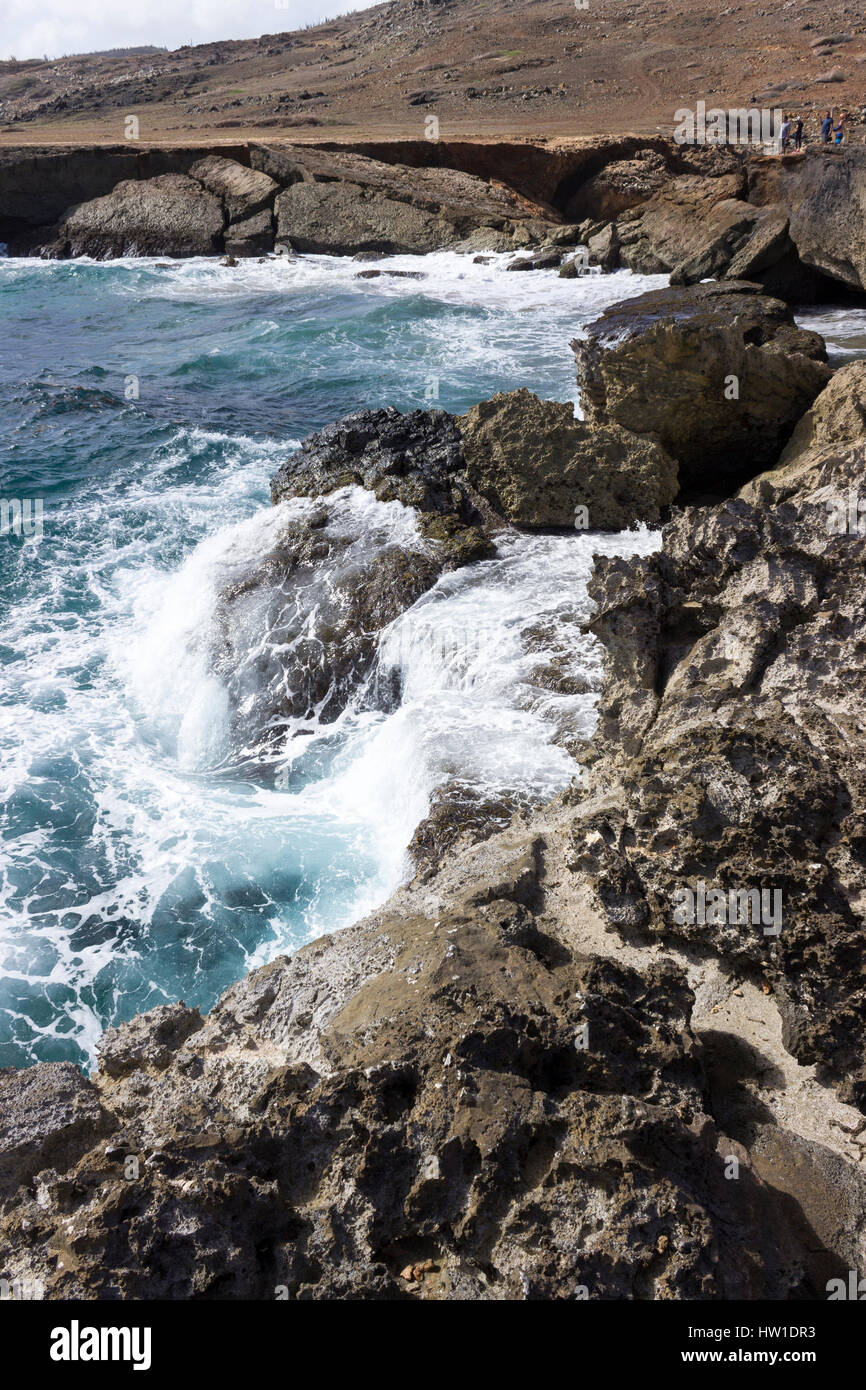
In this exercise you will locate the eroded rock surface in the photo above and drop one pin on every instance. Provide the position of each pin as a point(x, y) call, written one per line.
point(170, 215)
point(719, 374)
point(344, 218)
point(529, 1076)
point(442, 1102)
point(247, 196)
point(732, 715)
point(536, 465)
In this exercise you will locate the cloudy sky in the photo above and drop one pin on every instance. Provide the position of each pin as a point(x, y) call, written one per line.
point(33, 28)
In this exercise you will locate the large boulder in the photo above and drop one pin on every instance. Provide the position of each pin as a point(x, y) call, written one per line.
point(241, 190)
point(826, 454)
point(170, 215)
point(465, 199)
point(824, 195)
point(416, 459)
point(247, 195)
point(719, 374)
point(536, 464)
point(339, 202)
point(344, 218)
point(701, 228)
point(680, 221)
point(511, 459)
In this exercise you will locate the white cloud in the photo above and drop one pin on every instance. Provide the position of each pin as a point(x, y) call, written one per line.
point(33, 28)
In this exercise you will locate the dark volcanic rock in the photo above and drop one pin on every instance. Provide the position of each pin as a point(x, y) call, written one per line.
point(719, 374)
point(170, 215)
point(535, 463)
point(416, 459)
point(546, 260)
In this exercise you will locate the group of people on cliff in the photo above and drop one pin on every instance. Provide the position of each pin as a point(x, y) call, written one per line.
point(791, 131)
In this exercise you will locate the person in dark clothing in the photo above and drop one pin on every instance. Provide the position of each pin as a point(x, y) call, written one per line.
point(798, 133)
point(826, 127)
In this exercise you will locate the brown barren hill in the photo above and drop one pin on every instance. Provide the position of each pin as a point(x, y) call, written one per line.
point(482, 68)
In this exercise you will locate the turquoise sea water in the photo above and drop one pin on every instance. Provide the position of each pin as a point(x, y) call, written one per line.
point(146, 405)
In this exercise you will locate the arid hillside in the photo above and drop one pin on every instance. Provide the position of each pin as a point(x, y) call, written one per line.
point(485, 68)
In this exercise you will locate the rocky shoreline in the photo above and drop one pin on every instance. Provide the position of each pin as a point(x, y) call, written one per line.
point(527, 1076)
point(790, 223)
point(606, 1048)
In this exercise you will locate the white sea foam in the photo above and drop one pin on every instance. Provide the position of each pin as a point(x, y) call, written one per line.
point(142, 865)
point(843, 328)
point(470, 658)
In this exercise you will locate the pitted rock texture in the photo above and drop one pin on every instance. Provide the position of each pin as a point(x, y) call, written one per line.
point(719, 374)
point(48, 1114)
point(731, 739)
point(536, 464)
point(435, 1104)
